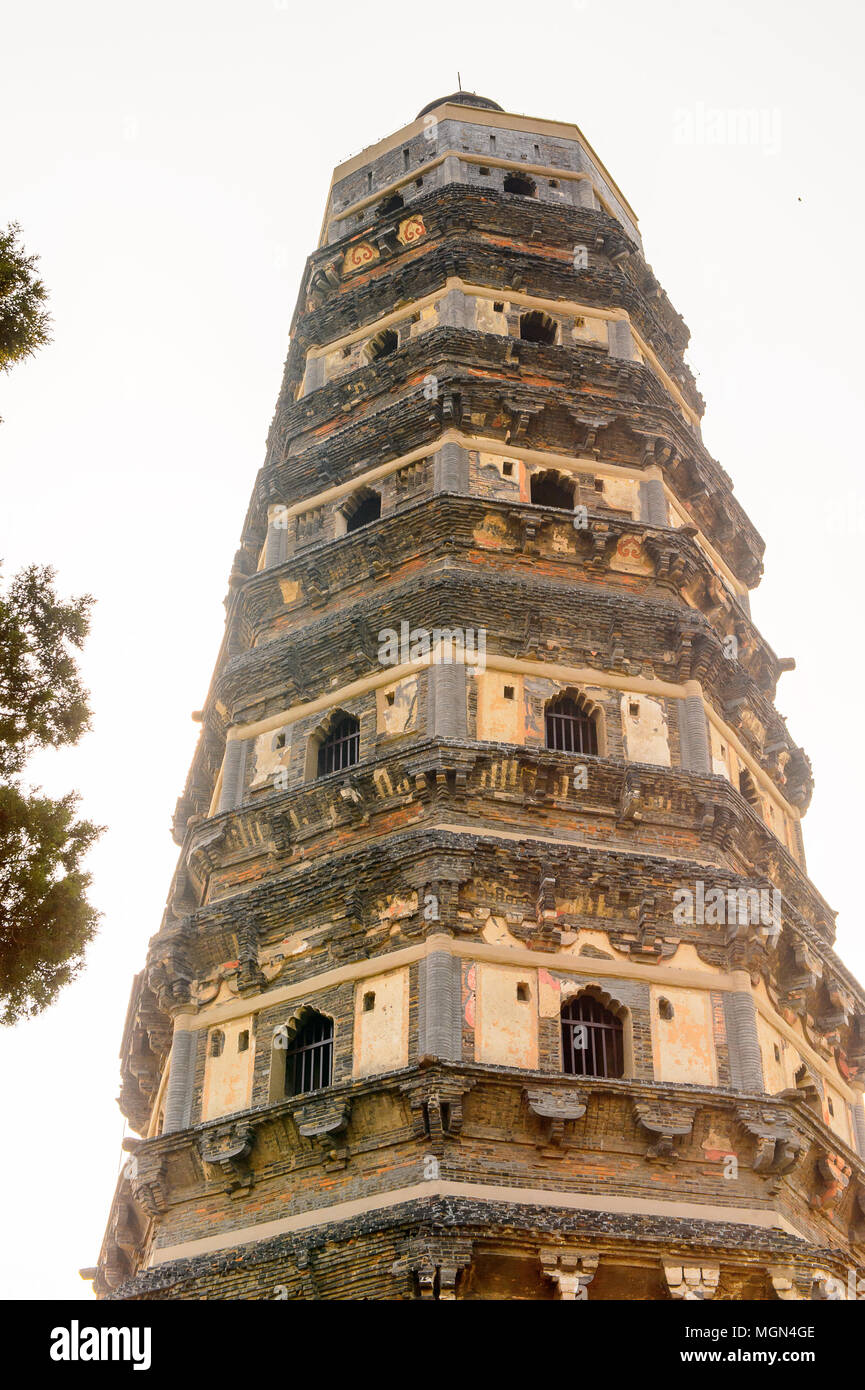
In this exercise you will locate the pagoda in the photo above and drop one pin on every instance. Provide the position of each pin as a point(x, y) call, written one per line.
point(491, 968)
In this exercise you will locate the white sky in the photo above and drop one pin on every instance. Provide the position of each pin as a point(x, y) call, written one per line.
point(169, 162)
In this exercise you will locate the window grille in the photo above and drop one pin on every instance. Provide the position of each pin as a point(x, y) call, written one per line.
point(341, 747)
point(592, 1039)
point(309, 1059)
point(569, 726)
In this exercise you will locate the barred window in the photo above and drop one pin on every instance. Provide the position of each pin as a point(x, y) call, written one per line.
point(570, 727)
point(309, 1059)
point(340, 747)
point(592, 1039)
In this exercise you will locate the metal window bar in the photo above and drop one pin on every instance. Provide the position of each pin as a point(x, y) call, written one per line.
point(341, 748)
point(570, 728)
point(592, 1039)
point(309, 1062)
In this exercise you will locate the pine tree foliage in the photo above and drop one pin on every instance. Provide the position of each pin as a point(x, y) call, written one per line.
point(45, 918)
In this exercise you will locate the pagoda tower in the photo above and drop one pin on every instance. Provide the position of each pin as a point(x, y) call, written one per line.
point(491, 968)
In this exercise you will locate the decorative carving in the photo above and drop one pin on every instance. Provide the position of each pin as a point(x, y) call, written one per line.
point(572, 1271)
point(436, 1107)
point(145, 1173)
point(412, 229)
point(778, 1146)
point(435, 1261)
point(836, 1176)
point(693, 1283)
point(791, 1283)
point(555, 1107)
point(361, 254)
point(226, 1149)
point(665, 1121)
point(324, 1119)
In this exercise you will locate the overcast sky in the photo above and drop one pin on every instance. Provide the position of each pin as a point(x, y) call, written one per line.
point(169, 162)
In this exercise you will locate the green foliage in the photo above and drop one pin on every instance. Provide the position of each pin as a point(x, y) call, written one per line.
point(45, 918)
point(42, 701)
point(24, 321)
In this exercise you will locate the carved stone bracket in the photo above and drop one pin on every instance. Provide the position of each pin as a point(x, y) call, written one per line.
point(226, 1149)
point(803, 970)
point(791, 1283)
point(435, 1262)
point(436, 1106)
point(665, 1122)
point(778, 1146)
point(572, 1271)
point(145, 1174)
point(836, 1176)
point(693, 1283)
point(324, 1120)
point(555, 1107)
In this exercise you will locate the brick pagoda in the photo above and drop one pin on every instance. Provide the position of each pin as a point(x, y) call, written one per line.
point(491, 967)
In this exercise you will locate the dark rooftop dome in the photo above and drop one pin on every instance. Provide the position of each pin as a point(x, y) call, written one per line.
point(461, 99)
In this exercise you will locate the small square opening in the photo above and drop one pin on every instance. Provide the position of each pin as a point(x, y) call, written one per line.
point(369, 1002)
point(523, 993)
point(509, 692)
point(243, 1040)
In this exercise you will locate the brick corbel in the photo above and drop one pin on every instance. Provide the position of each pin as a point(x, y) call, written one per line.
point(145, 1174)
point(556, 1107)
point(693, 1283)
point(791, 1283)
point(665, 1122)
point(226, 1150)
point(324, 1120)
point(572, 1271)
point(436, 1106)
point(777, 1146)
point(435, 1262)
point(836, 1175)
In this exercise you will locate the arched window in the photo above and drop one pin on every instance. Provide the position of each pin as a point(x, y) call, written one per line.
point(551, 490)
point(309, 1055)
point(383, 344)
point(520, 183)
point(538, 327)
point(366, 509)
point(340, 747)
point(391, 204)
point(570, 725)
point(593, 1042)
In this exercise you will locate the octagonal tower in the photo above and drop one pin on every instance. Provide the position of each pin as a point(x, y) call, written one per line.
point(491, 967)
